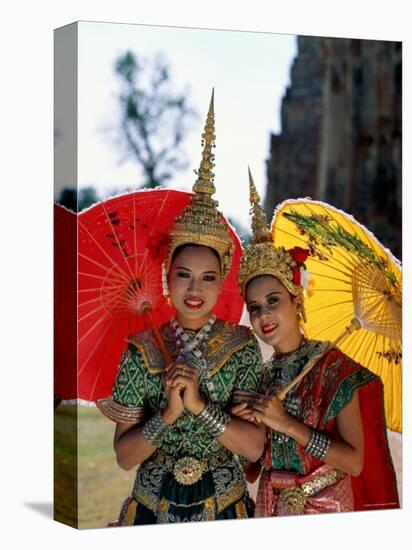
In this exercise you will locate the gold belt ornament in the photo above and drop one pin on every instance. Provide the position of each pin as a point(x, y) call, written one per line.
point(187, 470)
point(294, 498)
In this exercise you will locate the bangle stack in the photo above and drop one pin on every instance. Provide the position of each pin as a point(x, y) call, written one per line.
point(318, 445)
point(214, 419)
point(155, 430)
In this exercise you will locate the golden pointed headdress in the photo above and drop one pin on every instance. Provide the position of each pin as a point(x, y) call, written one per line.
point(200, 222)
point(262, 257)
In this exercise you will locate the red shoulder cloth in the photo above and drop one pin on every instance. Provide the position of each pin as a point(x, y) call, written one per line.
point(375, 488)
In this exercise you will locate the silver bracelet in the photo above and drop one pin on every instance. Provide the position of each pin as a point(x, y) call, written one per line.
point(318, 445)
point(214, 419)
point(155, 429)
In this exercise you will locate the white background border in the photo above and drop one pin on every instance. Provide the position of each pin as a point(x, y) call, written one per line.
point(26, 275)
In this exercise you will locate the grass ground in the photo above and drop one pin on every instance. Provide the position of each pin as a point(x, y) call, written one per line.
point(65, 465)
point(102, 485)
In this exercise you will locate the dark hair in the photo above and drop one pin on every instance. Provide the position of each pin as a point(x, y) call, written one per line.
point(182, 246)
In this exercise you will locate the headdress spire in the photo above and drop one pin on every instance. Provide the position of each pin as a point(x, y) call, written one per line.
point(205, 174)
point(200, 222)
point(260, 229)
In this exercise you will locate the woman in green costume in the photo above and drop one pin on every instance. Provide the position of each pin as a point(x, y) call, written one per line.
point(172, 419)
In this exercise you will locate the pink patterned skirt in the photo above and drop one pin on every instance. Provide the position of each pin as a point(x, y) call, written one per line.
point(283, 493)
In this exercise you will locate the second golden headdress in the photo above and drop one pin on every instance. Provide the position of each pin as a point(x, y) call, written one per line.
point(263, 258)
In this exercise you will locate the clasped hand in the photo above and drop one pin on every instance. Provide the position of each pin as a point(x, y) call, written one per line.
point(184, 380)
point(264, 408)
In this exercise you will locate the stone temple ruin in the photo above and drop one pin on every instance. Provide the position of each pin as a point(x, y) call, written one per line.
point(341, 137)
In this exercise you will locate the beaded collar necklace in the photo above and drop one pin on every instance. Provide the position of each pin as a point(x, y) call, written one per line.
point(187, 343)
point(290, 354)
point(190, 351)
point(288, 365)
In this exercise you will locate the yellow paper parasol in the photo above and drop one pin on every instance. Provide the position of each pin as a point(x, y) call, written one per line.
point(354, 280)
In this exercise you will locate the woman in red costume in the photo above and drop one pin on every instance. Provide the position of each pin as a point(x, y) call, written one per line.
point(326, 449)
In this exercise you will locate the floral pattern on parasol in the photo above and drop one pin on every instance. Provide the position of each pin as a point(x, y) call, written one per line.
point(355, 292)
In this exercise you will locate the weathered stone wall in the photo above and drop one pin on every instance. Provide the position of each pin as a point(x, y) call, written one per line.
point(341, 132)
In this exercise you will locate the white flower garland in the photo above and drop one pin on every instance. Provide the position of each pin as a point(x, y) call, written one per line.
point(305, 277)
point(165, 286)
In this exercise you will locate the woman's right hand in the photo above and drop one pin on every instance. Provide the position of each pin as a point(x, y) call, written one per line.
point(175, 403)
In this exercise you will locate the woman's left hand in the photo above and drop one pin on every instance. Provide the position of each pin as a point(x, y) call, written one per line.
point(269, 409)
point(187, 377)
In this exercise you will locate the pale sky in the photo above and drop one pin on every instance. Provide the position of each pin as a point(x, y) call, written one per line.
point(249, 72)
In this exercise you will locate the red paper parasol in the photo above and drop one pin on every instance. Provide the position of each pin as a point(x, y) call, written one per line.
point(65, 304)
point(117, 274)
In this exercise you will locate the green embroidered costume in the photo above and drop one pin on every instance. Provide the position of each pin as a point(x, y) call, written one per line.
point(233, 357)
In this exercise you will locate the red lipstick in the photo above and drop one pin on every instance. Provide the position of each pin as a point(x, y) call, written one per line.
point(193, 303)
point(268, 329)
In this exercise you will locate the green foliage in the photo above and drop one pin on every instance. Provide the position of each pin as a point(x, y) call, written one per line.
point(87, 197)
point(79, 201)
point(68, 198)
point(243, 233)
point(321, 230)
point(153, 118)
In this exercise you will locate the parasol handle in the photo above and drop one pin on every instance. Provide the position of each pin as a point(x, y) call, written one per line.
point(146, 309)
point(354, 325)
